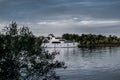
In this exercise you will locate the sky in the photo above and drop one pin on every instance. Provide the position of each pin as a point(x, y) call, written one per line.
point(63, 16)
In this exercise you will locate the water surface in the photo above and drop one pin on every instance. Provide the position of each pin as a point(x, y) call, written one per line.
point(89, 63)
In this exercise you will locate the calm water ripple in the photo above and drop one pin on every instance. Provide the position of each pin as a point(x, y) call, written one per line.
point(89, 63)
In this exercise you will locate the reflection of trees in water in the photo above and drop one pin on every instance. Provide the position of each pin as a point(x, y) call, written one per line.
point(87, 52)
point(92, 51)
point(98, 51)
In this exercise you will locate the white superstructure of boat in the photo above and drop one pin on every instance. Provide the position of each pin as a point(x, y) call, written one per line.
point(53, 42)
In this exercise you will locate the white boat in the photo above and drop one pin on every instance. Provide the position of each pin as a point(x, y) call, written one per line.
point(53, 42)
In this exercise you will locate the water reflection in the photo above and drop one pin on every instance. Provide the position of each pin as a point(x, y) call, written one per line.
point(89, 63)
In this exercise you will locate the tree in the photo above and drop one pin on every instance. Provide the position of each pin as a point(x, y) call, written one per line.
point(21, 56)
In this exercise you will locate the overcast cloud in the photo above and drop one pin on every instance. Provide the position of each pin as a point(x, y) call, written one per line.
point(63, 16)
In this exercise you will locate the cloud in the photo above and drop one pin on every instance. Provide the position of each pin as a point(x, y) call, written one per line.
point(102, 23)
point(73, 23)
point(29, 10)
point(65, 15)
point(2, 25)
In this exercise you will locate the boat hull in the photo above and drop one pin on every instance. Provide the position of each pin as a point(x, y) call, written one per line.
point(61, 45)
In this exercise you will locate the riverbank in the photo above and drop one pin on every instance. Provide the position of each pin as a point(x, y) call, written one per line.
point(93, 40)
point(100, 45)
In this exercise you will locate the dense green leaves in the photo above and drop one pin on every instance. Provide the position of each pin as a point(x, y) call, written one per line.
point(21, 56)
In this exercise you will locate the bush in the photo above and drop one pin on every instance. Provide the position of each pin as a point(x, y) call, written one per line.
point(21, 56)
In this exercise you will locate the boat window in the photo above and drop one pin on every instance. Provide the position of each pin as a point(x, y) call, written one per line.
point(56, 42)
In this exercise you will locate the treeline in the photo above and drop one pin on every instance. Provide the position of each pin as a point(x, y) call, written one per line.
point(22, 58)
point(87, 40)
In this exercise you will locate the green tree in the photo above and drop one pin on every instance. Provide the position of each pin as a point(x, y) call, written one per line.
point(21, 56)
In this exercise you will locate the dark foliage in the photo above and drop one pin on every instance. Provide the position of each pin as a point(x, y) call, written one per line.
point(92, 40)
point(21, 56)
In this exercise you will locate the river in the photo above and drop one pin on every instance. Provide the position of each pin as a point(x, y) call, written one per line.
point(89, 63)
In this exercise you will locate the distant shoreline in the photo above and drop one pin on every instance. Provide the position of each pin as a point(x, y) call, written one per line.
point(93, 40)
point(102, 45)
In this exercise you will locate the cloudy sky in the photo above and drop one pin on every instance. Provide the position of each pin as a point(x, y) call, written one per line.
point(63, 16)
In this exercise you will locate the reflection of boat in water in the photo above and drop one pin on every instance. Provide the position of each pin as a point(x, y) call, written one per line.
point(51, 42)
